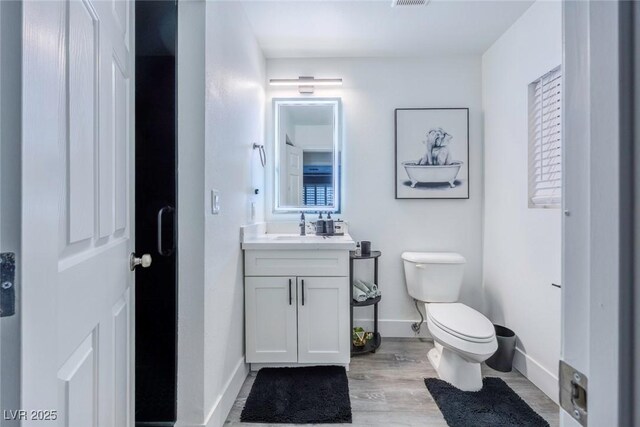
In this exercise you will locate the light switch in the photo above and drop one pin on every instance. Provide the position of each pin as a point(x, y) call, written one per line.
point(215, 202)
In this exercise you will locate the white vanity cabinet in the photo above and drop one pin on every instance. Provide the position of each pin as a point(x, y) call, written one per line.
point(323, 320)
point(297, 307)
point(271, 308)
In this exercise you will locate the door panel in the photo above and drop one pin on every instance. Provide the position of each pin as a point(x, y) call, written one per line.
point(271, 331)
point(122, 386)
point(83, 57)
point(293, 183)
point(323, 320)
point(120, 128)
point(121, 14)
point(294, 176)
point(77, 384)
point(77, 144)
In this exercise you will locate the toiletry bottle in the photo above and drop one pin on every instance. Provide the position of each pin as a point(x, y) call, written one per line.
point(358, 252)
point(329, 225)
point(320, 225)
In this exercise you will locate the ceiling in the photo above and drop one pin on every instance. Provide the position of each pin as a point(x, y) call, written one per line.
point(372, 28)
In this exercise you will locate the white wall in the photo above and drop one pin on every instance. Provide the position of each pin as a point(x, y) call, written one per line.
point(372, 89)
point(218, 154)
point(235, 76)
point(190, 212)
point(314, 137)
point(522, 246)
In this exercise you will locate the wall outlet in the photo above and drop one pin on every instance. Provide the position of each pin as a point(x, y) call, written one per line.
point(215, 202)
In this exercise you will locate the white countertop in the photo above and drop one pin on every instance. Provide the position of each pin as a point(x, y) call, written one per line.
point(281, 241)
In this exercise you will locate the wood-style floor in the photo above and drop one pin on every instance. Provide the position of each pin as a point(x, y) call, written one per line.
point(387, 388)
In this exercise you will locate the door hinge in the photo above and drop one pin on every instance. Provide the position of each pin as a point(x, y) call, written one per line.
point(573, 392)
point(7, 284)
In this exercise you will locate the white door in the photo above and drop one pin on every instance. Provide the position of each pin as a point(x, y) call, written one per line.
point(323, 320)
point(294, 176)
point(271, 331)
point(78, 69)
point(598, 201)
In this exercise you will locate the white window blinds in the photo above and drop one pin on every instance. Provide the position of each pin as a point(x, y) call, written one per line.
point(545, 141)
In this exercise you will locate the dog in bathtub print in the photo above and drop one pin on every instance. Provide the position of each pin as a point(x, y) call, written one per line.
point(436, 166)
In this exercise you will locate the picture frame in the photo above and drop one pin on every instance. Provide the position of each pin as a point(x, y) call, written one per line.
point(431, 153)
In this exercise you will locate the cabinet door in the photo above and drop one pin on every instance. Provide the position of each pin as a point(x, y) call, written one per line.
point(270, 313)
point(323, 320)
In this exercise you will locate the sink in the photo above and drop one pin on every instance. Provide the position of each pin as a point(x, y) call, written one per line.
point(291, 241)
point(296, 237)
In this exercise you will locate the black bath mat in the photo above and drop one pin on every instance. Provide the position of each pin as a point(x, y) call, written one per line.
point(496, 405)
point(316, 394)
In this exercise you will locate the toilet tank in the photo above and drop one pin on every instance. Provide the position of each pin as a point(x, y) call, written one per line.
point(433, 276)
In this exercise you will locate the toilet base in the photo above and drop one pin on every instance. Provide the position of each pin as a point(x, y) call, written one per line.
point(455, 370)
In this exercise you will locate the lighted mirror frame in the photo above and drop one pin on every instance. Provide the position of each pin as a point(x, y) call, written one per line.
point(336, 103)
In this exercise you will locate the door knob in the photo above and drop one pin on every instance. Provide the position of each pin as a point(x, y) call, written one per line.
point(134, 261)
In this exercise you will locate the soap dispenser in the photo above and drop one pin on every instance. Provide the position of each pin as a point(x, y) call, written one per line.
point(320, 225)
point(303, 225)
point(329, 225)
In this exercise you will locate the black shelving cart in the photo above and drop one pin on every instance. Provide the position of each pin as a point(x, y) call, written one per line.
point(373, 344)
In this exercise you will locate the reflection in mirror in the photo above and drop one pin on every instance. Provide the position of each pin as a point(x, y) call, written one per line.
point(307, 154)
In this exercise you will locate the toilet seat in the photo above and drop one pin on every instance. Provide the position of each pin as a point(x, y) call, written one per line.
point(469, 350)
point(461, 321)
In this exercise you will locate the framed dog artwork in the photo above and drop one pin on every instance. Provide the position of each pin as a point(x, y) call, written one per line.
point(432, 153)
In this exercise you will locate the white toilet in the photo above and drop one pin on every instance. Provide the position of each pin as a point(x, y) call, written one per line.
point(463, 337)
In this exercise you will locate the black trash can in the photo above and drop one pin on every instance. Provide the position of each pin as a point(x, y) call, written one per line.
point(502, 359)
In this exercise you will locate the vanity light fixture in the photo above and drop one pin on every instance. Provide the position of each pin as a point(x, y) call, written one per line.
point(305, 84)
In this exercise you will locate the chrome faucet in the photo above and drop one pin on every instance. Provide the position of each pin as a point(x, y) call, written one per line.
point(303, 225)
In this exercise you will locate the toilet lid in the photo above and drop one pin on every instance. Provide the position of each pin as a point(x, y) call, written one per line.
point(434, 257)
point(461, 321)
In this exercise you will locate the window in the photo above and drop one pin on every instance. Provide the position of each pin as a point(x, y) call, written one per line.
point(545, 141)
point(317, 181)
point(318, 195)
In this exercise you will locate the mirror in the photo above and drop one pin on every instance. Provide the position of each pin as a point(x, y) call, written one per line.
point(307, 154)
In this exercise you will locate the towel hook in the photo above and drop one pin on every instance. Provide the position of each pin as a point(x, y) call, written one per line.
point(263, 154)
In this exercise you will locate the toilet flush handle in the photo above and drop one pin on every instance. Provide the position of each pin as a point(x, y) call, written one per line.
point(421, 266)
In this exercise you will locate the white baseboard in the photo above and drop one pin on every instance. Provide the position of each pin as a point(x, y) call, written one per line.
point(393, 328)
point(537, 374)
point(221, 408)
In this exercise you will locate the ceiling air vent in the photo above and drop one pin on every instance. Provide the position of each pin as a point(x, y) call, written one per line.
point(398, 3)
